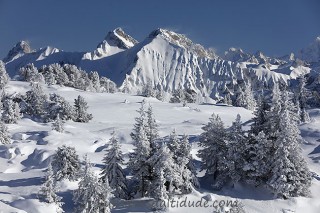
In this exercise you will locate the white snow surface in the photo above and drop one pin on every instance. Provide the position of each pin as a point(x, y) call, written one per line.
point(166, 60)
point(23, 163)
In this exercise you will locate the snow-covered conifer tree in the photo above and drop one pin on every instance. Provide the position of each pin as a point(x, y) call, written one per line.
point(59, 106)
point(112, 169)
point(139, 159)
point(177, 95)
point(36, 100)
point(257, 165)
point(66, 164)
point(214, 152)
point(57, 125)
point(301, 100)
point(236, 149)
point(92, 195)
point(95, 79)
point(48, 191)
point(30, 73)
point(164, 173)
point(4, 134)
point(290, 174)
point(107, 85)
point(152, 128)
point(148, 90)
point(4, 77)
point(81, 114)
point(261, 116)
point(50, 78)
point(173, 144)
point(245, 98)
point(186, 166)
point(11, 111)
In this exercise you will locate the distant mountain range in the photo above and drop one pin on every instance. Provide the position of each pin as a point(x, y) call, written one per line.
point(168, 60)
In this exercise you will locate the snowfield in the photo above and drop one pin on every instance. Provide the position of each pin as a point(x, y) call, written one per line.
point(23, 163)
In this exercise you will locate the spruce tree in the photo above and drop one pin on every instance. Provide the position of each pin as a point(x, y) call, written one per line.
point(261, 116)
point(92, 195)
point(290, 174)
point(139, 159)
point(4, 77)
point(164, 173)
point(214, 152)
point(257, 165)
point(66, 164)
point(236, 150)
point(48, 190)
point(152, 128)
point(4, 134)
point(59, 106)
point(57, 125)
point(11, 111)
point(301, 100)
point(245, 98)
point(36, 101)
point(80, 108)
point(186, 166)
point(113, 171)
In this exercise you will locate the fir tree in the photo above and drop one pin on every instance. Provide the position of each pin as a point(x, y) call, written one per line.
point(107, 85)
point(113, 171)
point(290, 174)
point(257, 165)
point(151, 128)
point(66, 164)
point(164, 173)
point(236, 150)
point(4, 134)
point(177, 95)
point(138, 162)
point(36, 101)
point(184, 161)
point(59, 106)
point(214, 152)
point(81, 107)
point(57, 125)
point(95, 79)
point(92, 195)
point(4, 77)
point(48, 191)
point(301, 100)
point(245, 98)
point(261, 116)
point(11, 111)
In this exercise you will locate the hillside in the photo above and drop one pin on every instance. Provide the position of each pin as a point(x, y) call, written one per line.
point(23, 162)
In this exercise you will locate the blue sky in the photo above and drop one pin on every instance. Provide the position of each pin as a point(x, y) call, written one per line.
point(275, 27)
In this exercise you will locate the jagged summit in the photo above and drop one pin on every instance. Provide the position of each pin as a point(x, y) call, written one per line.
point(182, 41)
point(312, 52)
point(120, 39)
point(21, 48)
point(116, 41)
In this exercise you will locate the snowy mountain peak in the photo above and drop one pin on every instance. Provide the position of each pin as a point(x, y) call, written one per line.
point(312, 52)
point(120, 39)
point(21, 48)
point(238, 55)
point(182, 41)
point(116, 41)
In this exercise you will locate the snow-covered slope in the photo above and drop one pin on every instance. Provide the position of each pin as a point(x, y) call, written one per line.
point(23, 163)
point(166, 60)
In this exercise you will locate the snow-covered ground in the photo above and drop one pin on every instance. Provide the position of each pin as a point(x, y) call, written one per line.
point(22, 163)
